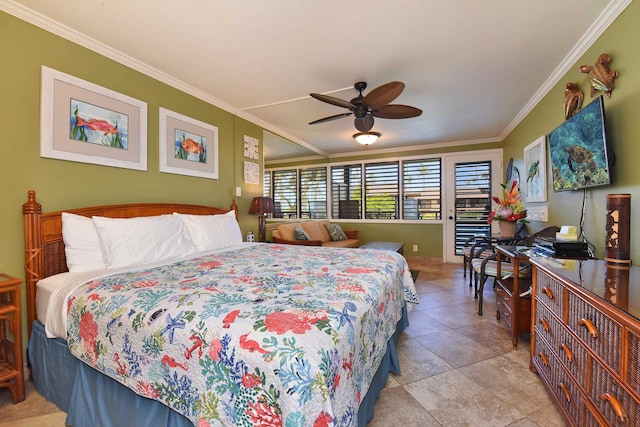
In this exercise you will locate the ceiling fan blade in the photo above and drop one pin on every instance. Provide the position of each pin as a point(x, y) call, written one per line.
point(364, 124)
point(332, 100)
point(382, 95)
point(397, 111)
point(328, 119)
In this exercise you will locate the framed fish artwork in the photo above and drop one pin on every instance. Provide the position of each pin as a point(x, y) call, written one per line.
point(84, 122)
point(187, 146)
point(535, 161)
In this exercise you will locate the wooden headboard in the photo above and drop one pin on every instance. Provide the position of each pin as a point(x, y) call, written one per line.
point(43, 246)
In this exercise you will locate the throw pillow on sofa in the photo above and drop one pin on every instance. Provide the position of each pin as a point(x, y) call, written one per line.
point(336, 233)
point(300, 234)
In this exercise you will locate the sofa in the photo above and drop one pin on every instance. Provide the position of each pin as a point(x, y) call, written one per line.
point(317, 232)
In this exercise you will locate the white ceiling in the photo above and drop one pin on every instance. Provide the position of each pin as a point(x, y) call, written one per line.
point(474, 67)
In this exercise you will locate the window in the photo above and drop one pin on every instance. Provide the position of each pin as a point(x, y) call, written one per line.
point(266, 184)
point(285, 193)
point(346, 192)
point(313, 193)
point(298, 193)
point(381, 190)
point(392, 190)
point(421, 189)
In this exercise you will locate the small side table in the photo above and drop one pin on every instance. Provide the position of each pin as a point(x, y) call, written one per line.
point(385, 246)
point(11, 373)
point(513, 303)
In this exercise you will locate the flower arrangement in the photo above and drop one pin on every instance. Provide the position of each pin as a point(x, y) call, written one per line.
point(510, 207)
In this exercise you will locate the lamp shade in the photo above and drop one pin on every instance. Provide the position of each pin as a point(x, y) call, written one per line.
point(261, 206)
point(366, 138)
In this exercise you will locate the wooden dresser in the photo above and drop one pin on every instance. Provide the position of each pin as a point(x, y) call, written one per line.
point(585, 339)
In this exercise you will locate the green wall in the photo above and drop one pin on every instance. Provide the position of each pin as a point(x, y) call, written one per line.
point(623, 129)
point(62, 184)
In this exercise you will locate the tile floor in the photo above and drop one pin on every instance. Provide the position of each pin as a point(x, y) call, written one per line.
point(458, 369)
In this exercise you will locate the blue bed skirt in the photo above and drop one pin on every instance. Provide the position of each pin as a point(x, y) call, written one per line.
point(92, 399)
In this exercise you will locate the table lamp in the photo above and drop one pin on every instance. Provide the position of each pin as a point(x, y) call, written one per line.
point(261, 206)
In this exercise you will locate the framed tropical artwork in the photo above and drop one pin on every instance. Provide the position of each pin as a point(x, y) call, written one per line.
point(83, 122)
point(187, 146)
point(535, 158)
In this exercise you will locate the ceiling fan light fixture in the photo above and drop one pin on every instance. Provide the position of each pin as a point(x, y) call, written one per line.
point(366, 138)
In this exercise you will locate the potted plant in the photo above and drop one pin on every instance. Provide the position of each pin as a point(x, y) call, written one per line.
point(509, 211)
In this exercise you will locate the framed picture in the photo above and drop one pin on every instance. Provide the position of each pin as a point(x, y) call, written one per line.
point(187, 146)
point(535, 158)
point(251, 173)
point(83, 122)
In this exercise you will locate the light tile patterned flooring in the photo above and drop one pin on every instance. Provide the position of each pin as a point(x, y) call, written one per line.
point(458, 369)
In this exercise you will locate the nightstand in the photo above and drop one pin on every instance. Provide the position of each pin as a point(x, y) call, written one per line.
point(11, 374)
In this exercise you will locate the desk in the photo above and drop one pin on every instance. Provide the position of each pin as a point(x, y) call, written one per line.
point(499, 239)
point(511, 305)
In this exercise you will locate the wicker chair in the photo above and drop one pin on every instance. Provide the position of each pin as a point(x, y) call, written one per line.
point(482, 246)
point(478, 246)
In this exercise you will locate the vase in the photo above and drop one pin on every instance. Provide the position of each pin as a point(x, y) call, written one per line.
point(507, 228)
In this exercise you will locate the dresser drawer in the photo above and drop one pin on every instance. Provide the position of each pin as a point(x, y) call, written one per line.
point(573, 355)
point(607, 341)
point(567, 393)
point(548, 326)
point(550, 370)
point(503, 304)
point(634, 362)
point(607, 394)
point(550, 292)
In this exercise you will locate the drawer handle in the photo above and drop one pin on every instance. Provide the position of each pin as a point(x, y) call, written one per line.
point(544, 323)
point(567, 352)
point(545, 361)
point(590, 327)
point(615, 405)
point(548, 291)
point(565, 390)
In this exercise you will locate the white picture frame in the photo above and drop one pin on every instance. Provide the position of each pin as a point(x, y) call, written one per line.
point(187, 146)
point(535, 181)
point(83, 122)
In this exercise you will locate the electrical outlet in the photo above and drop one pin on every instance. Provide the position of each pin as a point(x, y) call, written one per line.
point(544, 213)
point(415, 248)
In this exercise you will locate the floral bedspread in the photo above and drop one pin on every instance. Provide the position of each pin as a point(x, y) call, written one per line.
point(263, 335)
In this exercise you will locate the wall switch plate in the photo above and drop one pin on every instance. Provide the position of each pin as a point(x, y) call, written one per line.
point(544, 213)
point(415, 248)
point(534, 213)
point(238, 191)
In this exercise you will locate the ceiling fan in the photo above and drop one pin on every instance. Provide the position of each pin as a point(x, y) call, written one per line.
point(374, 104)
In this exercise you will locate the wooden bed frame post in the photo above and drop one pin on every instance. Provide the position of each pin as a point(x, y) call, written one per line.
point(34, 265)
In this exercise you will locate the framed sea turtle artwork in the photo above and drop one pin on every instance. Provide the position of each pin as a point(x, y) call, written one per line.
point(187, 146)
point(535, 183)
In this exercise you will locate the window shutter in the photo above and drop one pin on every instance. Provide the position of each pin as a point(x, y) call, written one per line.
point(285, 192)
point(313, 193)
point(421, 184)
point(381, 190)
point(346, 192)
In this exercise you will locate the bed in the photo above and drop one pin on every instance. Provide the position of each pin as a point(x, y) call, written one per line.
point(222, 334)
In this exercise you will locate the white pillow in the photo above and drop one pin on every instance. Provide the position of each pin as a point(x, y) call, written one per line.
point(81, 243)
point(141, 240)
point(210, 232)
